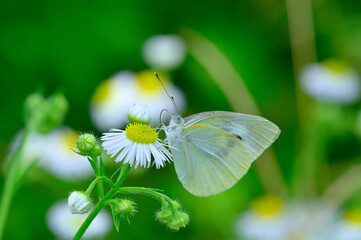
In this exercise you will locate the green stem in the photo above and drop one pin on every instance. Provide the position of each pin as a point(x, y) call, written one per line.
point(11, 182)
point(102, 203)
point(96, 180)
point(100, 173)
point(149, 192)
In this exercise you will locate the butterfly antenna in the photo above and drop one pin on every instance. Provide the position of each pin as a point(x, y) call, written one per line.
point(170, 96)
point(160, 114)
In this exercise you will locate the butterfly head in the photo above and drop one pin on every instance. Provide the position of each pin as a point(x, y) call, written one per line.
point(177, 120)
point(175, 127)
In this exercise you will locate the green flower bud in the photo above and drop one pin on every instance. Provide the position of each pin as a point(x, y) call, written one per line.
point(44, 115)
point(79, 203)
point(164, 215)
point(53, 113)
point(33, 103)
point(97, 150)
point(86, 143)
point(124, 207)
point(33, 109)
point(57, 105)
point(139, 114)
point(180, 219)
point(176, 204)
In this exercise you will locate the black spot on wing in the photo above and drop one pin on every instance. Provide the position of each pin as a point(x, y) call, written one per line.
point(237, 136)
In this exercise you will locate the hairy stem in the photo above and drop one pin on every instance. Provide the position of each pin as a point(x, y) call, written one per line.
point(149, 192)
point(99, 180)
point(102, 203)
point(100, 173)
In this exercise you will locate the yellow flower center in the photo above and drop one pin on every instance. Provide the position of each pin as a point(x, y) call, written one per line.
point(353, 215)
point(148, 84)
point(141, 133)
point(336, 66)
point(267, 206)
point(68, 139)
point(102, 92)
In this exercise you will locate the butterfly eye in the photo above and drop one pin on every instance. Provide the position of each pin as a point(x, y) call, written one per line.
point(177, 119)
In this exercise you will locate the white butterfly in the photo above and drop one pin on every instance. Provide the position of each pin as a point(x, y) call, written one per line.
point(213, 150)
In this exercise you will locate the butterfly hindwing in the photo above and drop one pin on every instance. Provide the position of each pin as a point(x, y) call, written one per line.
point(256, 133)
point(209, 160)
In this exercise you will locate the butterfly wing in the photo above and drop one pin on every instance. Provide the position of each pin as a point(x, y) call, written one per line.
point(256, 133)
point(209, 160)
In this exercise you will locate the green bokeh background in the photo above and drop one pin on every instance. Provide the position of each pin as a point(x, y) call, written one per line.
point(73, 45)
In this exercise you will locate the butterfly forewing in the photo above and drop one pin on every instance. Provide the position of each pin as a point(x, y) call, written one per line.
point(256, 133)
point(209, 160)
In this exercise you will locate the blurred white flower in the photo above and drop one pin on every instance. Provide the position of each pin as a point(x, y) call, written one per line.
point(265, 220)
point(331, 81)
point(60, 160)
point(311, 220)
point(151, 93)
point(349, 228)
point(33, 148)
point(112, 100)
point(114, 97)
point(53, 152)
point(64, 225)
point(164, 52)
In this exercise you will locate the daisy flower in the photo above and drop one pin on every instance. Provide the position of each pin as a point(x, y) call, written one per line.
point(265, 220)
point(137, 143)
point(164, 52)
point(115, 96)
point(64, 225)
point(331, 81)
point(349, 228)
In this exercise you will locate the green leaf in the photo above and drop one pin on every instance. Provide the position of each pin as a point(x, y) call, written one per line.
point(101, 166)
point(94, 166)
point(116, 219)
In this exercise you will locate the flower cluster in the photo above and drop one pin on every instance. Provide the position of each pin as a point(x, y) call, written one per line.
point(171, 215)
point(43, 115)
point(135, 146)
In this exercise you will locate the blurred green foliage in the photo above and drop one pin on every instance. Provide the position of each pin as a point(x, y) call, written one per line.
point(74, 45)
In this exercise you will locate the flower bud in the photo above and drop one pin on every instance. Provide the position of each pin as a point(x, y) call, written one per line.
point(180, 219)
point(57, 105)
point(97, 150)
point(53, 114)
point(79, 203)
point(33, 103)
point(124, 207)
point(164, 215)
point(139, 114)
point(44, 115)
point(86, 143)
point(33, 109)
point(176, 204)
